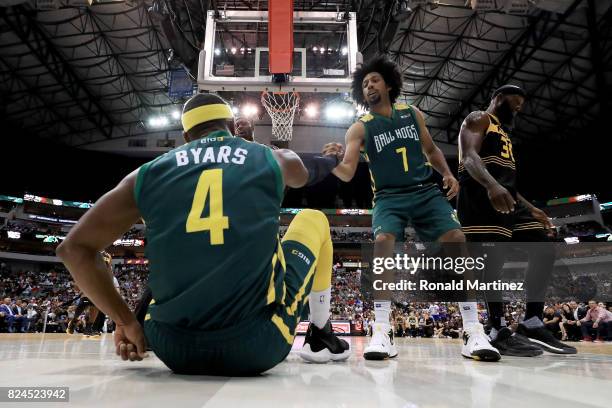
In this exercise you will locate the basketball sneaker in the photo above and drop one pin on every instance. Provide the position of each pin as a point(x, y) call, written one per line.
point(322, 345)
point(381, 344)
point(517, 346)
point(477, 346)
point(70, 329)
point(87, 331)
point(544, 339)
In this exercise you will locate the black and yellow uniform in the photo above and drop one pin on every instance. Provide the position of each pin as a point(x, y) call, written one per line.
point(217, 268)
point(479, 220)
point(403, 191)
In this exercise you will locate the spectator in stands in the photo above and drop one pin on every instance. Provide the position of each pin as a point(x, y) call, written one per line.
point(434, 312)
point(439, 330)
point(452, 330)
point(595, 322)
point(6, 311)
point(578, 309)
point(569, 327)
point(31, 315)
point(427, 325)
point(412, 324)
point(551, 320)
point(20, 312)
point(399, 324)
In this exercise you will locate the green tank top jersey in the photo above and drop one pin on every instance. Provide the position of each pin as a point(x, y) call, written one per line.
point(393, 149)
point(211, 208)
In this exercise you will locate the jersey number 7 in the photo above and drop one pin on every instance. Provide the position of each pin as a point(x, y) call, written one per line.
point(402, 151)
point(210, 181)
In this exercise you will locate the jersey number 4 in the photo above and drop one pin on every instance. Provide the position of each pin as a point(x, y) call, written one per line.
point(211, 181)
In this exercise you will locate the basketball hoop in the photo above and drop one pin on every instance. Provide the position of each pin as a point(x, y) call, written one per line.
point(281, 106)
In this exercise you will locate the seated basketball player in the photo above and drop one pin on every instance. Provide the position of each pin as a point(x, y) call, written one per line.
point(217, 268)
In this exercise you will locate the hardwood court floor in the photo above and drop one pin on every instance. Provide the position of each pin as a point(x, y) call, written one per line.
point(427, 373)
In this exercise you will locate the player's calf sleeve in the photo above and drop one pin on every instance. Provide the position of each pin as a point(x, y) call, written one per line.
point(323, 270)
point(537, 278)
point(311, 229)
point(320, 296)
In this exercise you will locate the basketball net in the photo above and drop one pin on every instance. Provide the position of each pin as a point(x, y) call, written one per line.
point(281, 106)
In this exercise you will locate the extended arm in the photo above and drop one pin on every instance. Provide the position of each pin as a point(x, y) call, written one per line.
point(346, 169)
point(295, 174)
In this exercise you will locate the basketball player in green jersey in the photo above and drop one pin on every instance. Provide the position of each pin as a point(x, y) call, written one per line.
point(217, 267)
point(401, 152)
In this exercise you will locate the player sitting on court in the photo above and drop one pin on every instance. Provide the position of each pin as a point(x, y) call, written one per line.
point(217, 267)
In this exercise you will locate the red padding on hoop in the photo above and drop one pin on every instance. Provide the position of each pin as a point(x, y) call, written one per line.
point(280, 36)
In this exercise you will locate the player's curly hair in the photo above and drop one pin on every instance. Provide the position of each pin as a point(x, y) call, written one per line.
point(387, 69)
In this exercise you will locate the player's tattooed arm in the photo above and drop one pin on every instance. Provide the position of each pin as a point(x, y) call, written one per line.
point(471, 135)
point(436, 157)
point(346, 169)
point(295, 174)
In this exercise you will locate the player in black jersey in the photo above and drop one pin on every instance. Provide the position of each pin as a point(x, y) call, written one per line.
point(94, 318)
point(491, 209)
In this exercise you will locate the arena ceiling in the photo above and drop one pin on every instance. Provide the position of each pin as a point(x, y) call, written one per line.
point(79, 73)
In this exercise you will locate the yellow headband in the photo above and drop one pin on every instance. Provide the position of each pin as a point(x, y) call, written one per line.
point(205, 113)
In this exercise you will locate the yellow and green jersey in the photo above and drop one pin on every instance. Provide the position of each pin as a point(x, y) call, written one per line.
point(212, 213)
point(393, 149)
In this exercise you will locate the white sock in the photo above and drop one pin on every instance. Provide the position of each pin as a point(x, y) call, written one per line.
point(382, 310)
point(469, 313)
point(319, 307)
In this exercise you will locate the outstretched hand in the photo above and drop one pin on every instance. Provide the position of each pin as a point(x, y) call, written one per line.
point(333, 149)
